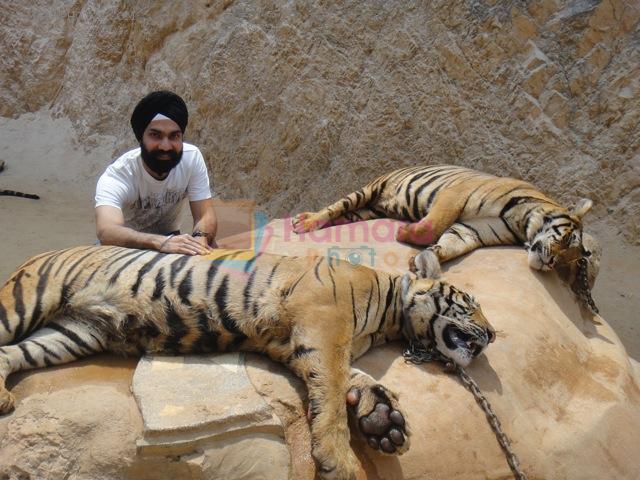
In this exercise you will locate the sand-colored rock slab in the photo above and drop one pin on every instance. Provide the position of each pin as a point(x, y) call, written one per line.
point(254, 456)
point(190, 400)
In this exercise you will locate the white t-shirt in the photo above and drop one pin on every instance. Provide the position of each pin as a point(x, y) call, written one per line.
point(150, 205)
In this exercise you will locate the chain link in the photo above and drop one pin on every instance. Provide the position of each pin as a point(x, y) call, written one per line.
point(502, 438)
point(418, 353)
point(584, 293)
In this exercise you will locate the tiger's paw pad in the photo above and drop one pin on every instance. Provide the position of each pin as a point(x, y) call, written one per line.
point(384, 427)
point(7, 402)
point(304, 222)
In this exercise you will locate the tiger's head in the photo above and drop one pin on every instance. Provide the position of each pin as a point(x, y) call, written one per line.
point(437, 314)
point(553, 233)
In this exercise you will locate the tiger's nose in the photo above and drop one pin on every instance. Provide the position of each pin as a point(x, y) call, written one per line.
point(492, 335)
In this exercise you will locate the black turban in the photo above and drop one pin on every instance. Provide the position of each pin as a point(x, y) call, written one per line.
point(167, 103)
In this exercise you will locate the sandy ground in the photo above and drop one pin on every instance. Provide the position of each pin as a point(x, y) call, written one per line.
point(42, 158)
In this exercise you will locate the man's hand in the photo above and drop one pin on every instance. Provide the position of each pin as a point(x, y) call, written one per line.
point(185, 244)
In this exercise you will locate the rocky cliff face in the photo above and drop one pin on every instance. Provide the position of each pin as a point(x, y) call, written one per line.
point(296, 103)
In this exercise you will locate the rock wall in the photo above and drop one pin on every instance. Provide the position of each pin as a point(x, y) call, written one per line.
point(296, 103)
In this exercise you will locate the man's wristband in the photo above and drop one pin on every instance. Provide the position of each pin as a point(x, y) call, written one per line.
point(198, 233)
point(165, 241)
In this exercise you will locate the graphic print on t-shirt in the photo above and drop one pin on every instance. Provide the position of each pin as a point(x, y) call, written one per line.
point(157, 212)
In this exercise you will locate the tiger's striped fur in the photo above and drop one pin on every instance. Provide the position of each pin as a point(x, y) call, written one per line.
point(314, 316)
point(455, 210)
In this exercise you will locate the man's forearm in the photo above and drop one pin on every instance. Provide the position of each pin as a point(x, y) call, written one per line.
point(127, 237)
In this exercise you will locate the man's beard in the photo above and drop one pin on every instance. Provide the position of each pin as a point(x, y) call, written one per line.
point(156, 165)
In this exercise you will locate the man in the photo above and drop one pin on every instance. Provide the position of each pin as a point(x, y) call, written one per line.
point(140, 196)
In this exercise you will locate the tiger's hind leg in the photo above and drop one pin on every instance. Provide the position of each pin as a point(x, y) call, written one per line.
point(376, 414)
point(61, 341)
point(353, 207)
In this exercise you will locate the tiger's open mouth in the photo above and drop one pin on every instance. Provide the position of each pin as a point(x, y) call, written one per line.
point(457, 339)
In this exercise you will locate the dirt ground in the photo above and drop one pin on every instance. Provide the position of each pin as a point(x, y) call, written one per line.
point(41, 157)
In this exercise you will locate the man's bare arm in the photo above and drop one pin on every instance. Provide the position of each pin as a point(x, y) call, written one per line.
point(111, 230)
point(204, 220)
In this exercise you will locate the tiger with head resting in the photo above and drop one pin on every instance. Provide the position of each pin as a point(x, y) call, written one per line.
point(314, 317)
point(455, 210)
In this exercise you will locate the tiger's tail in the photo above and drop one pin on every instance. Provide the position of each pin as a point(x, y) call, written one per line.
point(13, 193)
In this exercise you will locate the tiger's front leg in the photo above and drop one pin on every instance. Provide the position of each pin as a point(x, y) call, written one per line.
point(349, 209)
point(461, 238)
point(320, 353)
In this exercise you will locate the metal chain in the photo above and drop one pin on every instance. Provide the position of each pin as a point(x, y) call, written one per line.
point(502, 438)
point(584, 293)
point(418, 353)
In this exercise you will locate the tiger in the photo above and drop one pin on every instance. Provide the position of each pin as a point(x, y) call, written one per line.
point(453, 210)
point(315, 316)
point(13, 193)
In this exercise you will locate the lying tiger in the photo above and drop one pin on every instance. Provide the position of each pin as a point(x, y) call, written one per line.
point(455, 210)
point(314, 317)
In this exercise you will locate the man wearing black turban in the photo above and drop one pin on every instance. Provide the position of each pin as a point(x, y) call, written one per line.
point(140, 196)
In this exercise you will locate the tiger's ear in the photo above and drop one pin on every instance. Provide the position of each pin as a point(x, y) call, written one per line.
point(581, 208)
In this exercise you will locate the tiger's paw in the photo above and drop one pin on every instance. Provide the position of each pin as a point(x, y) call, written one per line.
point(7, 401)
point(376, 412)
point(426, 264)
point(305, 222)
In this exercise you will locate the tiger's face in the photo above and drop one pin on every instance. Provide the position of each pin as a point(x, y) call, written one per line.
point(436, 312)
point(557, 234)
